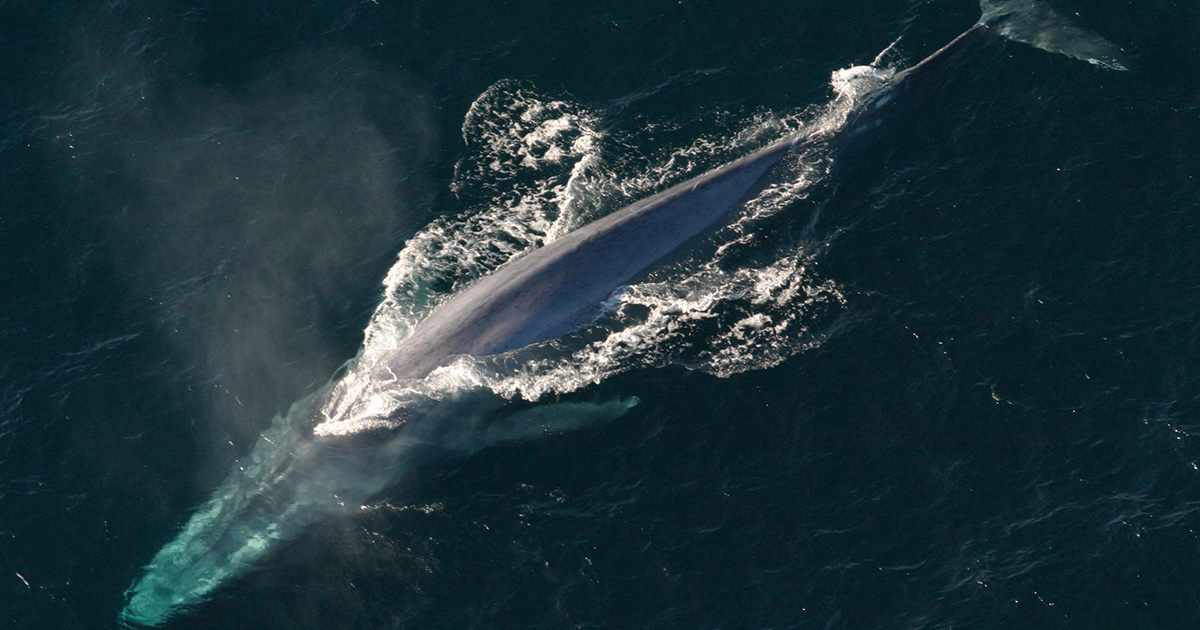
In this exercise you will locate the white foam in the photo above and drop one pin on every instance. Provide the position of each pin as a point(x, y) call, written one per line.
point(530, 159)
point(534, 170)
point(857, 81)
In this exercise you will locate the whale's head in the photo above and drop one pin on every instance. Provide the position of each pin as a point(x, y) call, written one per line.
point(296, 476)
point(289, 481)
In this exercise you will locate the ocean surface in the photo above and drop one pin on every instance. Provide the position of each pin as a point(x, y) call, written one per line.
point(947, 379)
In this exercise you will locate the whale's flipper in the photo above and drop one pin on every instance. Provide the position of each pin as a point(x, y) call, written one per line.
point(1035, 23)
point(540, 421)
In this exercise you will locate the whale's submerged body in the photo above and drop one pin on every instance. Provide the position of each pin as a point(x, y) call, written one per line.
point(292, 478)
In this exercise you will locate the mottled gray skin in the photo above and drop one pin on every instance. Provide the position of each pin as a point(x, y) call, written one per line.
point(553, 290)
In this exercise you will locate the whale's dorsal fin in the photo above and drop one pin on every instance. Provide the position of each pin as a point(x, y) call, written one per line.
point(1035, 23)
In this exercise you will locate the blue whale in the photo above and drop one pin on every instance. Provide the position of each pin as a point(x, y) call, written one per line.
point(292, 478)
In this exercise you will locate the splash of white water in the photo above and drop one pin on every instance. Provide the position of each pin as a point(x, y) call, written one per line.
point(535, 170)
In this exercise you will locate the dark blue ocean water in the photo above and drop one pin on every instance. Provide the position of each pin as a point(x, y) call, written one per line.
point(991, 426)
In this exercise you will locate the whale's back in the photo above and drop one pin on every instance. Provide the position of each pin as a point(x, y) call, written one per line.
point(553, 290)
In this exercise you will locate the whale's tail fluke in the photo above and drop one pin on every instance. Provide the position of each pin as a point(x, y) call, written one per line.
point(1035, 23)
